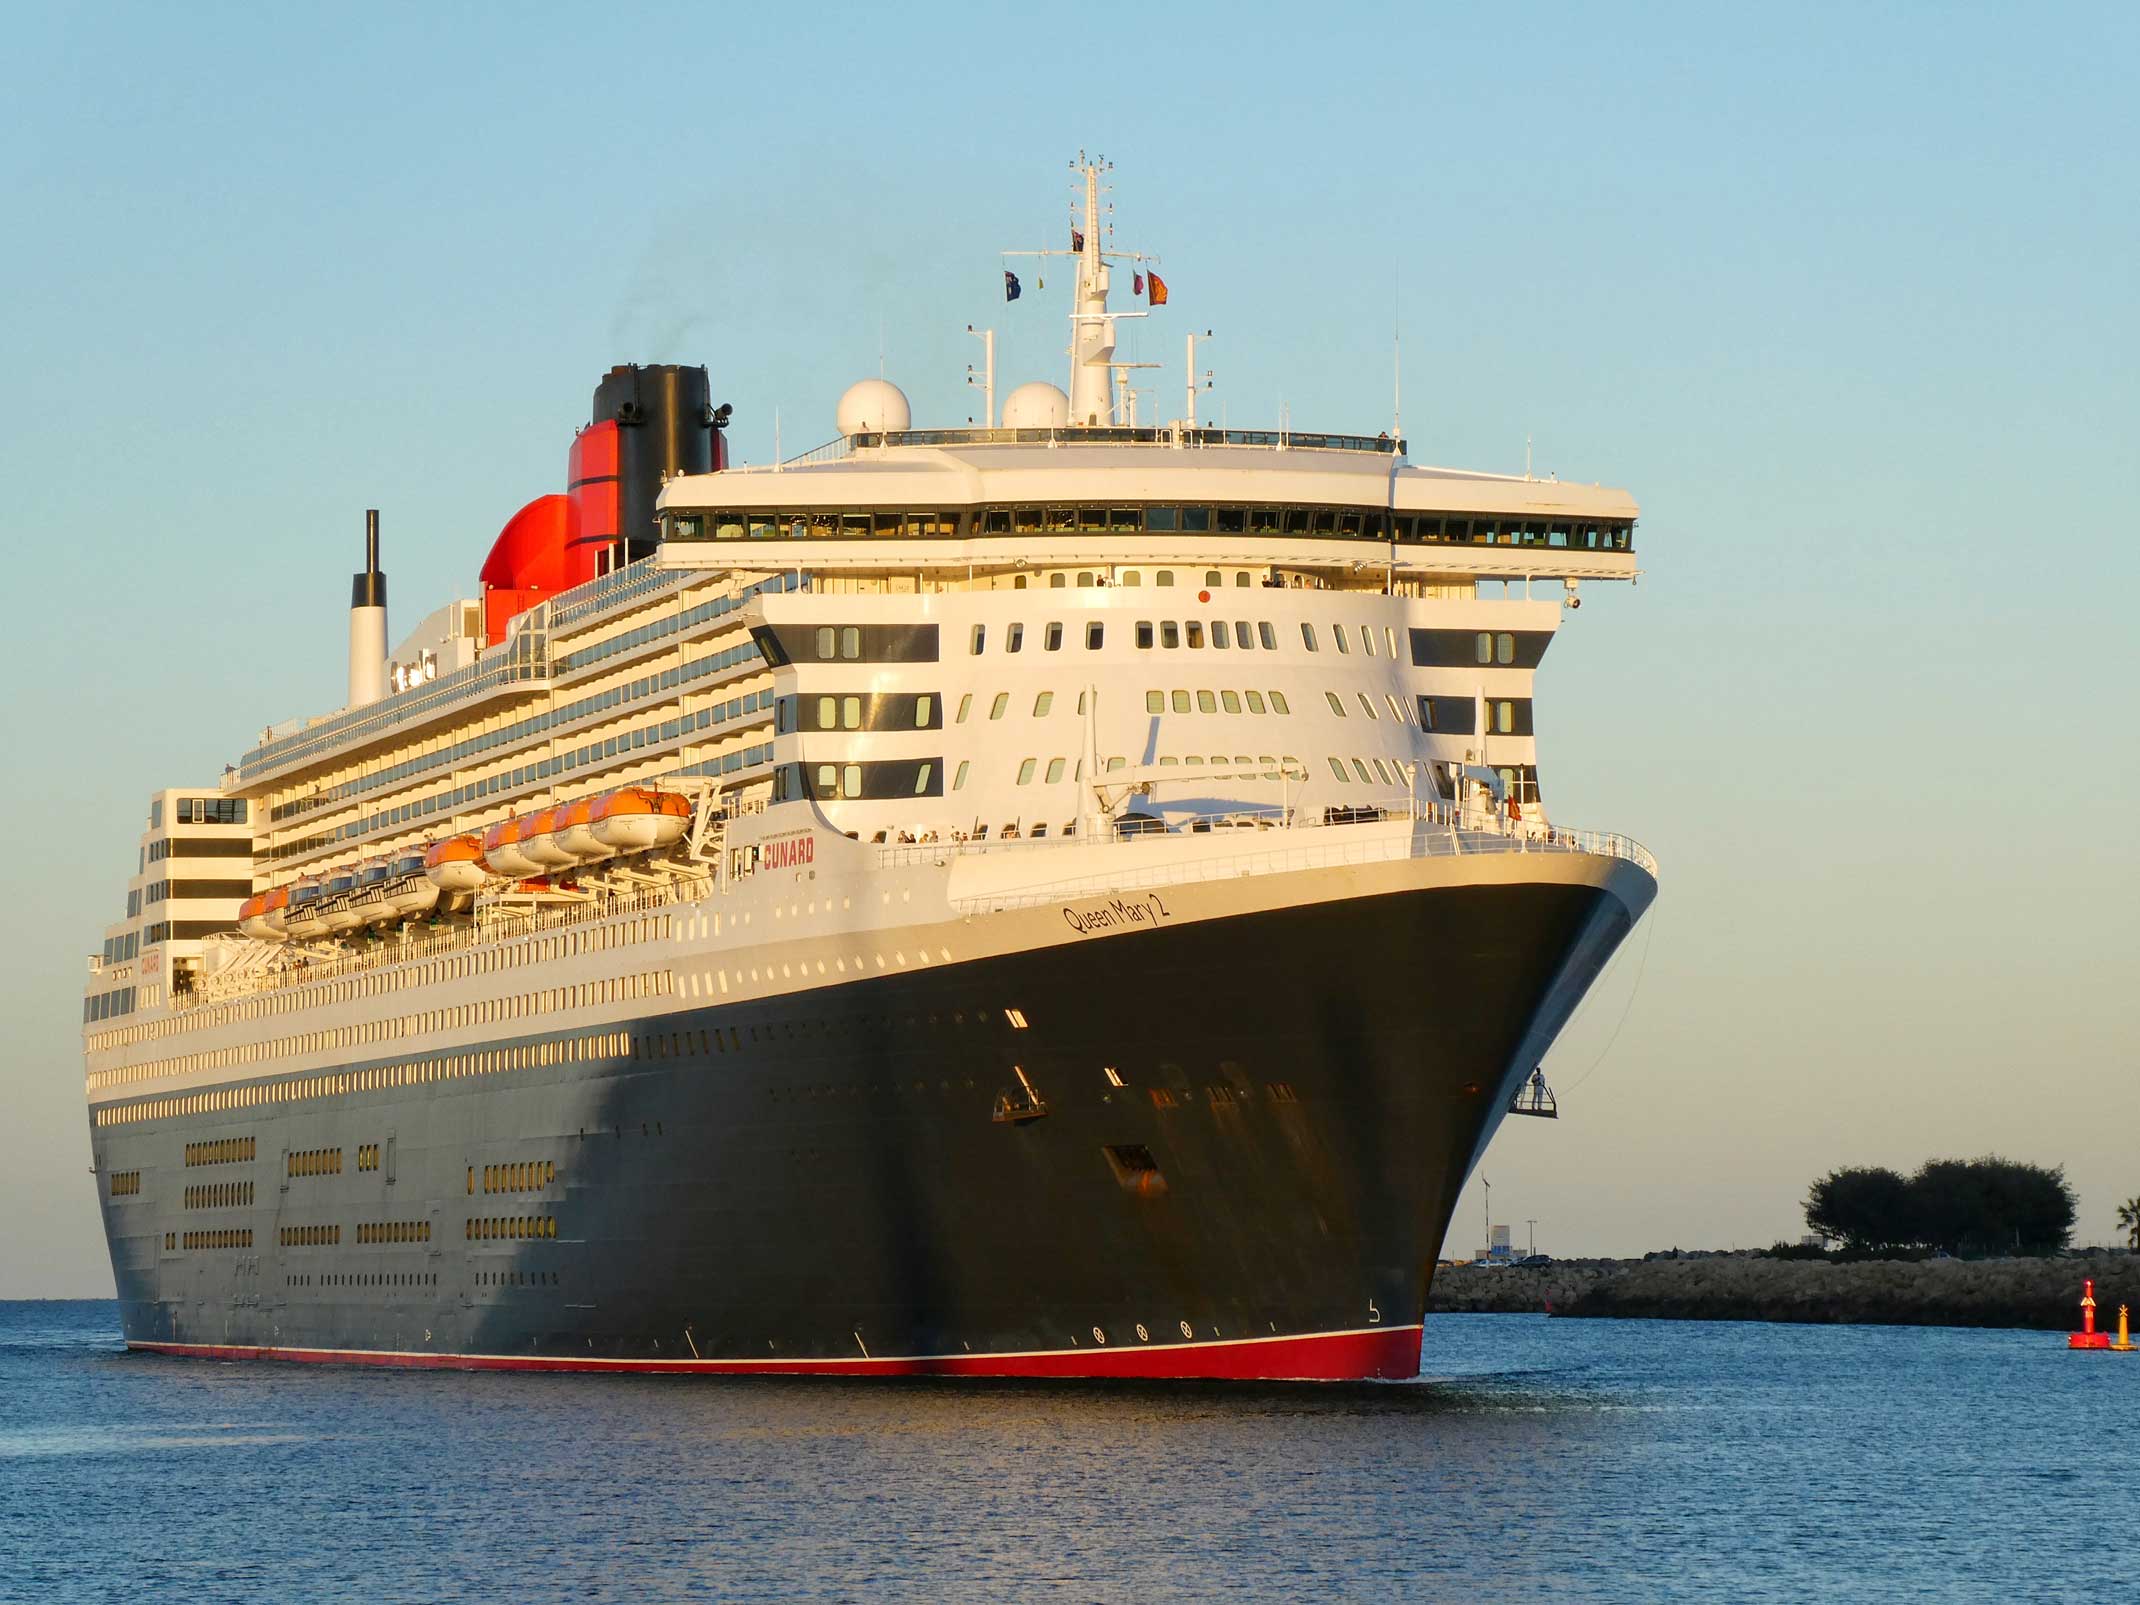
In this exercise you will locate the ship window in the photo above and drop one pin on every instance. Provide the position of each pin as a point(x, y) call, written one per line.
point(1231, 521)
point(1195, 631)
point(1014, 640)
point(1144, 635)
point(1169, 634)
point(1055, 770)
point(1114, 764)
point(1484, 646)
point(1164, 518)
point(1221, 636)
point(1504, 648)
point(1181, 702)
point(1397, 709)
point(1057, 582)
point(995, 708)
point(1095, 636)
point(1092, 518)
point(1255, 701)
point(1367, 639)
point(1132, 576)
point(921, 778)
point(1230, 701)
point(1337, 705)
point(1361, 769)
point(1025, 771)
point(965, 707)
point(1052, 639)
point(827, 713)
point(1155, 702)
point(1164, 576)
point(1206, 702)
point(1307, 635)
point(1042, 703)
point(1086, 579)
point(1337, 634)
point(1265, 633)
point(960, 779)
point(1337, 768)
point(1383, 774)
point(1367, 705)
point(980, 638)
point(827, 640)
point(850, 713)
point(924, 712)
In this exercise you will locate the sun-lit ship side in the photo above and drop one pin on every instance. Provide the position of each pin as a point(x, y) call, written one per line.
point(1056, 899)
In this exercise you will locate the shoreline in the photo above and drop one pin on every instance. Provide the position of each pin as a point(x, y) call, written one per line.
point(2034, 1294)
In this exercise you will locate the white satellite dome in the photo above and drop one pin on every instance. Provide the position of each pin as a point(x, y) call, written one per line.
point(1038, 405)
point(873, 406)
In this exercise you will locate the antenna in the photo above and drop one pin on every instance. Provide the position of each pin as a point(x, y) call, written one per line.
point(1526, 456)
point(1397, 383)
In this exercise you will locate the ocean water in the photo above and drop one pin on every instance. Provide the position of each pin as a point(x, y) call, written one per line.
point(1536, 1459)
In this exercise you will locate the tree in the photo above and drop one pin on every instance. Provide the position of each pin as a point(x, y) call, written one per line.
point(1992, 1206)
point(1866, 1207)
point(2129, 1220)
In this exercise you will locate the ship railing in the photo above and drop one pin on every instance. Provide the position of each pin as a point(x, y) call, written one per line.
point(1439, 829)
point(301, 965)
point(1166, 435)
point(1326, 850)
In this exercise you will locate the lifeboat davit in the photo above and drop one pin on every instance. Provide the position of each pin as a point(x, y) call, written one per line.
point(340, 910)
point(638, 819)
point(501, 851)
point(575, 832)
point(302, 920)
point(253, 919)
point(456, 864)
point(408, 891)
point(538, 840)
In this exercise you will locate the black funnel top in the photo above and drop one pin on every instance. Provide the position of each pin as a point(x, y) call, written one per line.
point(369, 588)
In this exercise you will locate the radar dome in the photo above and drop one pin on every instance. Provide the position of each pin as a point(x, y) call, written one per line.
point(1038, 405)
point(873, 406)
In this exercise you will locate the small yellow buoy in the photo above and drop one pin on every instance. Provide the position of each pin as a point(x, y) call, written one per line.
point(2124, 1344)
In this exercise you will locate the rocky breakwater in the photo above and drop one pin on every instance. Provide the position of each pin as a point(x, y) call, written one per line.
point(2040, 1293)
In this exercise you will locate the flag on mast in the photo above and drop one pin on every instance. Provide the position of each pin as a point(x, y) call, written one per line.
point(1136, 284)
point(1011, 287)
point(1158, 287)
point(1077, 239)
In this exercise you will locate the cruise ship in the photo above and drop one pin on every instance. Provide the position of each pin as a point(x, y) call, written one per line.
point(1062, 896)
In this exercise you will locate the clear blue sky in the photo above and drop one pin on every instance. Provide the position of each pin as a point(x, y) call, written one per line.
point(1845, 295)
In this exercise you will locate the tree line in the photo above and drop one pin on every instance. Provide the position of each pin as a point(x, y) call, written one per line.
point(1961, 1206)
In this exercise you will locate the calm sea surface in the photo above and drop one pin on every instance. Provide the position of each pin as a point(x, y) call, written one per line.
point(1538, 1459)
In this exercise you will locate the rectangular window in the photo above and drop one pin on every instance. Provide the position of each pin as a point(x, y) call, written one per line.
point(1052, 639)
point(1015, 640)
point(1144, 639)
point(1155, 702)
point(980, 639)
point(1206, 703)
point(1169, 634)
point(1181, 702)
point(1095, 636)
point(1220, 635)
point(1230, 701)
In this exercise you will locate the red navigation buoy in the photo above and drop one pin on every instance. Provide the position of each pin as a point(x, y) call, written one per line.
point(2088, 1337)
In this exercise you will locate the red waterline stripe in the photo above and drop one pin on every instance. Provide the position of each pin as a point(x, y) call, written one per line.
point(1385, 1353)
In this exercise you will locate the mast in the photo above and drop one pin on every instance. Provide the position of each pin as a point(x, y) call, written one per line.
point(1092, 333)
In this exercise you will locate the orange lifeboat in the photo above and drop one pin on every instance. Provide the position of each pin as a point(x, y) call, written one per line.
point(501, 850)
point(575, 832)
point(456, 864)
point(253, 918)
point(538, 840)
point(274, 905)
point(638, 819)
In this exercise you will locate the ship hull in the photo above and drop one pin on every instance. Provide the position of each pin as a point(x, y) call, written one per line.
point(1225, 1147)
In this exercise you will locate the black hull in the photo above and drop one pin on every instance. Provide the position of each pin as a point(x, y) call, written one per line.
point(839, 1189)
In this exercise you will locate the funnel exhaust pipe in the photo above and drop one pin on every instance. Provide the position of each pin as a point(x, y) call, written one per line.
point(367, 622)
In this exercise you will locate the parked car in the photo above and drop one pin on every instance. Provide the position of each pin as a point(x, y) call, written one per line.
point(1536, 1259)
